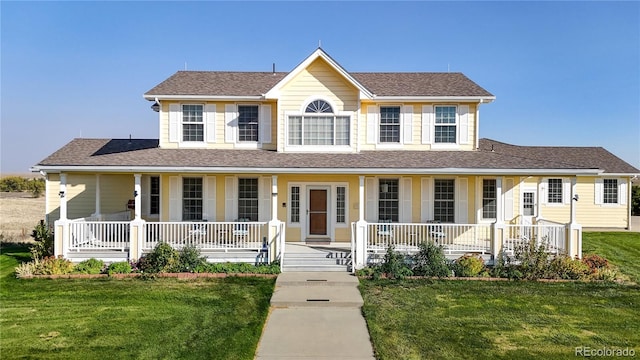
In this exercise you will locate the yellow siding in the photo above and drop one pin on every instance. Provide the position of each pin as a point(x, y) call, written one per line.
point(318, 79)
point(416, 140)
point(52, 210)
point(115, 191)
point(589, 214)
point(220, 124)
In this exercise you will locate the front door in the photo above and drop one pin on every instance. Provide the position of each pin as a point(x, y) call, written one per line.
point(528, 210)
point(318, 212)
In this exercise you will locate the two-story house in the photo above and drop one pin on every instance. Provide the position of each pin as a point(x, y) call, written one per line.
point(247, 161)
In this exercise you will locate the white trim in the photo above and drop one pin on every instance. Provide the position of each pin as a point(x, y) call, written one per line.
point(320, 148)
point(297, 170)
point(484, 99)
point(203, 97)
point(274, 92)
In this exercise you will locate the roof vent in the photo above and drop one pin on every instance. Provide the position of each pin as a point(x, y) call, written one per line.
point(273, 68)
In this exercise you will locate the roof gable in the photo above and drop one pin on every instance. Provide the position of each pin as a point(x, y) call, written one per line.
point(274, 92)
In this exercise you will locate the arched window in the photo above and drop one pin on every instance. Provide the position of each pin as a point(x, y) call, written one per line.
point(318, 106)
point(319, 125)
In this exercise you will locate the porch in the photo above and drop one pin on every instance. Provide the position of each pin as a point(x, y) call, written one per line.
point(371, 240)
point(264, 242)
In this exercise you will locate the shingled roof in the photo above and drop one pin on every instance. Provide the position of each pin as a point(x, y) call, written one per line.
point(568, 156)
point(123, 153)
point(225, 83)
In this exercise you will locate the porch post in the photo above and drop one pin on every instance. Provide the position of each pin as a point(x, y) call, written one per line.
point(274, 198)
point(500, 200)
point(137, 191)
point(63, 196)
point(274, 237)
point(97, 213)
point(574, 230)
point(361, 230)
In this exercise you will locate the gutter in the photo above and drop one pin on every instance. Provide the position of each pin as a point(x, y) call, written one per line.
point(297, 170)
point(203, 97)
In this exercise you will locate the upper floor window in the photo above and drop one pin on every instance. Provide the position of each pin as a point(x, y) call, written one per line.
point(318, 126)
point(390, 124)
point(192, 123)
point(318, 106)
point(248, 123)
point(555, 191)
point(610, 193)
point(445, 126)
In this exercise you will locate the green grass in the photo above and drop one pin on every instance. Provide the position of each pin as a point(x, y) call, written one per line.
point(424, 319)
point(620, 248)
point(156, 319)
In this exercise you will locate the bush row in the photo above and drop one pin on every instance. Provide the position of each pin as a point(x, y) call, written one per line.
point(17, 184)
point(529, 262)
point(163, 259)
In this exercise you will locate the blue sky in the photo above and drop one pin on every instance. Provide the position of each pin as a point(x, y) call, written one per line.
point(564, 73)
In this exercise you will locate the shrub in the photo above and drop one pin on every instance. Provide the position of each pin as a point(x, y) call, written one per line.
point(532, 260)
point(564, 267)
point(393, 265)
point(605, 274)
point(36, 187)
point(468, 266)
point(595, 262)
point(430, 261)
point(53, 266)
point(504, 268)
point(25, 269)
point(163, 258)
point(13, 184)
point(365, 271)
point(91, 266)
point(121, 267)
point(43, 238)
point(188, 259)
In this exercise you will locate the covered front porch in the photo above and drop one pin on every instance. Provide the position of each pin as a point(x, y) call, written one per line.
point(383, 211)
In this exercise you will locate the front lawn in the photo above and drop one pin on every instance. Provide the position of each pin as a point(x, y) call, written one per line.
point(620, 248)
point(424, 319)
point(132, 318)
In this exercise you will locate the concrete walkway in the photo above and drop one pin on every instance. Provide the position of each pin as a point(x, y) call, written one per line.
point(315, 315)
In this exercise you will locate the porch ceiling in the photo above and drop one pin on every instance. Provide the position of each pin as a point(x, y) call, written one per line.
point(144, 154)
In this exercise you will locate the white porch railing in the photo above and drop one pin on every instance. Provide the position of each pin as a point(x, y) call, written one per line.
point(551, 236)
point(99, 235)
point(206, 236)
point(454, 238)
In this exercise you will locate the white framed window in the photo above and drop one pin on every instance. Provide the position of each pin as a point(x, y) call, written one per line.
point(154, 195)
point(489, 199)
point(248, 127)
point(294, 204)
point(388, 200)
point(248, 199)
point(389, 124)
point(554, 192)
point(318, 125)
point(444, 200)
point(445, 130)
point(192, 199)
point(192, 122)
point(341, 205)
point(610, 191)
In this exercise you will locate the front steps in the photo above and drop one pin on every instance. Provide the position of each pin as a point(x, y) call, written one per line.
point(316, 258)
point(316, 289)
